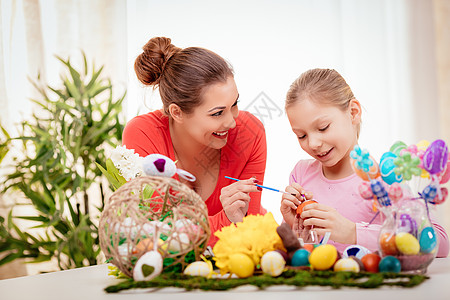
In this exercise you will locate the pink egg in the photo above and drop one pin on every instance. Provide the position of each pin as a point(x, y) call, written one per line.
point(444, 195)
point(395, 191)
point(365, 190)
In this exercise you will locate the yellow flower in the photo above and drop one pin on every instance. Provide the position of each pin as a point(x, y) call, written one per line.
point(254, 236)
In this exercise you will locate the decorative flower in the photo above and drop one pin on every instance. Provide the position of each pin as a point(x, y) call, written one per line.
point(127, 162)
point(407, 165)
point(362, 159)
point(254, 236)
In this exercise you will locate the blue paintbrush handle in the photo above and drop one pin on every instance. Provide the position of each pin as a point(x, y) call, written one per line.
point(262, 186)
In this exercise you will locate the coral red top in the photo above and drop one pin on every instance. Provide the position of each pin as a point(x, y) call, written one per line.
point(242, 157)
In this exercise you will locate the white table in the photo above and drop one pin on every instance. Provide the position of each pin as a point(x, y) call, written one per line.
point(89, 283)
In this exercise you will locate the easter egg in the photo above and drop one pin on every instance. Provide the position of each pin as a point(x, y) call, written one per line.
point(397, 147)
point(300, 258)
point(395, 191)
point(407, 243)
point(241, 265)
point(365, 190)
point(407, 224)
point(309, 247)
point(199, 268)
point(423, 145)
point(148, 266)
point(374, 170)
point(387, 244)
point(435, 157)
point(346, 264)
point(355, 250)
point(178, 242)
point(144, 245)
point(371, 262)
point(389, 264)
point(272, 263)
point(303, 204)
point(323, 257)
point(387, 167)
point(427, 240)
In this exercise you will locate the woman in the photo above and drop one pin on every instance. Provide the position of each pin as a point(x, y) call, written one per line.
point(201, 128)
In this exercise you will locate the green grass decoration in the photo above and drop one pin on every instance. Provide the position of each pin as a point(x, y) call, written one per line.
point(298, 278)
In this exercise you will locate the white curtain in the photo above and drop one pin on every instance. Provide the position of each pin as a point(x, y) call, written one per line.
point(384, 49)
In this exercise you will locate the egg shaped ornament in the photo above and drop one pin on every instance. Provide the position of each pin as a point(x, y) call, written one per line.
point(199, 268)
point(272, 263)
point(435, 157)
point(390, 264)
point(148, 266)
point(387, 167)
point(395, 192)
point(397, 147)
point(346, 265)
point(300, 258)
point(365, 190)
point(372, 173)
point(140, 217)
point(444, 176)
point(323, 257)
point(356, 251)
point(428, 240)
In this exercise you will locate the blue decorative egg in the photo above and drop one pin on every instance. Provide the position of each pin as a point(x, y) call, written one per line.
point(387, 168)
point(390, 264)
point(300, 258)
point(356, 251)
point(427, 240)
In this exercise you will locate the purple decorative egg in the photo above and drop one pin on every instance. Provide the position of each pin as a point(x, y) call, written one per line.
point(435, 157)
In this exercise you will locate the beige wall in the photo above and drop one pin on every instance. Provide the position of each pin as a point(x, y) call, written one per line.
point(442, 25)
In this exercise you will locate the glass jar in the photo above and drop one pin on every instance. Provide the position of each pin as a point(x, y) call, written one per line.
point(408, 234)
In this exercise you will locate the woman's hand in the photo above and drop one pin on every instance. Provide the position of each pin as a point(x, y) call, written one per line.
point(235, 198)
point(289, 202)
point(325, 218)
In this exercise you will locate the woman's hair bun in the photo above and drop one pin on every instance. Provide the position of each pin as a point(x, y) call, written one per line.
point(150, 64)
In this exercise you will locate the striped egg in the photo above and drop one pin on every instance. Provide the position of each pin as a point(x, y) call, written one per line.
point(272, 263)
point(199, 268)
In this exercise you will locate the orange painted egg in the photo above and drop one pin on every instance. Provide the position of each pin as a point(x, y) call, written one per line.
point(374, 170)
point(144, 245)
point(387, 244)
point(303, 204)
point(371, 262)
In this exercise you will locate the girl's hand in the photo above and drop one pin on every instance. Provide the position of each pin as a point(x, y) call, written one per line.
point(325, 218)
point(289, 203)
point(235, 198)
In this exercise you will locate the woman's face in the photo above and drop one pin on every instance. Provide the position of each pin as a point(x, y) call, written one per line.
point(209, 122)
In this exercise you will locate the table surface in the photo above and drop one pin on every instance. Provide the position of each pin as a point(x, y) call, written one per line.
point(89, 283)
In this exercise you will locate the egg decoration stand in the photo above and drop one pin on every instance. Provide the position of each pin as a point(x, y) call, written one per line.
point(407, 241)
point(158, 215)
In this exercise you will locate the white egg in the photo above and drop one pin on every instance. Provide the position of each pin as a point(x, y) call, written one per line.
point(356, 251)
point(178, 242)
point(183, 223)
point(148, 266)
point(272, 263)
point(199, 268)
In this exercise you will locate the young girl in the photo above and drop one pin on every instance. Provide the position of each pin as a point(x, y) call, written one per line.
point(326, 118)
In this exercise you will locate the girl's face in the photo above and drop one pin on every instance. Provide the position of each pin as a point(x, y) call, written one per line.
point(210, 122)
point(325, 131)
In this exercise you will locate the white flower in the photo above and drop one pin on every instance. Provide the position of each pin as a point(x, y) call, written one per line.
point(127, 162)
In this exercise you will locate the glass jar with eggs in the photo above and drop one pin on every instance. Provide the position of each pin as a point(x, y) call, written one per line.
point(408, 235)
